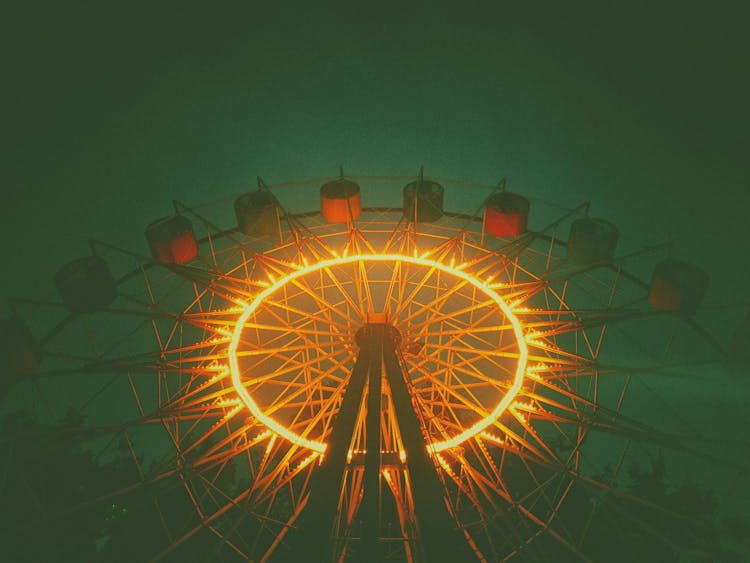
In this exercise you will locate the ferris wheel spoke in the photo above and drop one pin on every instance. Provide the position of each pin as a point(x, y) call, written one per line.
point(520, 443)
point(294, 330)
point(441, 406)
point(451, 401)
point(297, 472)
point(490, 467)
point(286, 329)
point(445, 345)
point(483, 347)
point(206, 521)
point(537, 494)
point(556, 354)
point(343, 328)
point(305, 388)
point(430, 312)
point(493, 491)
point(632, 501)
point(242, 417)
point(577, 401)
point(546, 403)
point(485, 265)
point(356, 307)
point(488, 353)
point(473, 331)
point(465, 368)
point(323, 414)
point(630, 429)
point(435, 316)
point(201, 351)
point(471, 328)
point(207, 434)
point(540, 524)
point(199, 389)
point(456, 383)
point(236, 277)
point(322, 303)
point(678, 443)
point(363, 287)
point(417, 287)
point(545, 528)
point(292, 365)
point(522, 293)
point(322, 418)
point(523, 420)
point(259, 341)
point(274, 471)
point(661, 369)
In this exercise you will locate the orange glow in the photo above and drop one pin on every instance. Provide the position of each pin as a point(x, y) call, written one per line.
point(453, 270)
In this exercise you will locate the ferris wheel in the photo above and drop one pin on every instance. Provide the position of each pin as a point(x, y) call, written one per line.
point(375, 369)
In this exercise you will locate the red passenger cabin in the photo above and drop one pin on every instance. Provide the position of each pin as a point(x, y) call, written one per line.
point(340, 201)
point(506, 214)
point(172, 240)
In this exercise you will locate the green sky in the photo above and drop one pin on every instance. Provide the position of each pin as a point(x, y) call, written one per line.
point(113, 111)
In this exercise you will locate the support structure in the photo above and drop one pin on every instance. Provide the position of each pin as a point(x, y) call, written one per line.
point(352, 487)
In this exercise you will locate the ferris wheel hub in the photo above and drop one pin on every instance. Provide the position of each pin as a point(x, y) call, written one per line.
point(371, 328)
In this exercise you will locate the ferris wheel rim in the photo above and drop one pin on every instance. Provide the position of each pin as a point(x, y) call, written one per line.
point(458, 272)
point(395, 212)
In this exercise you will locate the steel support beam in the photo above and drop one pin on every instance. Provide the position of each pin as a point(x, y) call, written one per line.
point(440, 539)
point(313, 538)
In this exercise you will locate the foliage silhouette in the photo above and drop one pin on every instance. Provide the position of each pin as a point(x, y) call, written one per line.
point(62, 504)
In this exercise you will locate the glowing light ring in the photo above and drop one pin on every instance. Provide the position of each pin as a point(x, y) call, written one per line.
point(434, 447)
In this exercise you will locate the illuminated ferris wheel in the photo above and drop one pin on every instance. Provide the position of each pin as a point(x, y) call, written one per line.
point(374, 369)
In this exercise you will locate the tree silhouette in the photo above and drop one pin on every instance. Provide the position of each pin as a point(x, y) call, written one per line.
point(66, 498)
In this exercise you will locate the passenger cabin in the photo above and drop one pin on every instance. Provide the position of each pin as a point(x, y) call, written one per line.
point(340, 201)
point(172, 240)
point(591, 241)
point(257, 213)
point(677, 286)
point(423, 201)
point(86, 284)
point(506, 214)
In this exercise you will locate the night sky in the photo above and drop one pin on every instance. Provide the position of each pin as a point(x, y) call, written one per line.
point(112, 110)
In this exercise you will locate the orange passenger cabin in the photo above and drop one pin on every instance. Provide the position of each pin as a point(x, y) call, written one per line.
point(677, 286)
point(86, 284)
point(257, 213)
point(340, 201)
point(423, 201)
point(172, 240)
point(591, 241)
point(506, 214)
